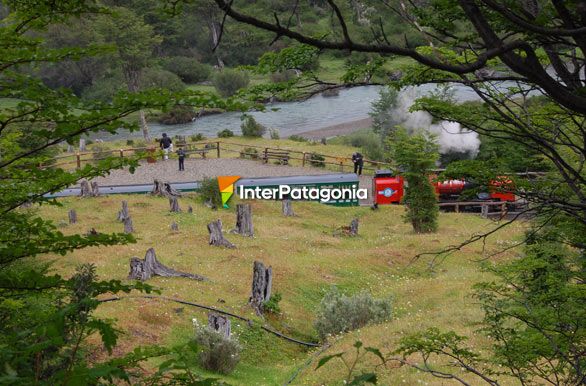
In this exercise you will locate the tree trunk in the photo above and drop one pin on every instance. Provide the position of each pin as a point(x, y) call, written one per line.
point(85, 189)
point(95, 189)
point(354, 227)
point(164, 189)
point(132, 76)
point(262, 281)
point(287, 208)
point(123, 214)
point(174, 227)
point(128, 227)
point(216, 235)
point(219, 323)
point(215, 27)
point(174, 204)
point(244, 225)
point(144, 126)
point(72, 216)
point(82, 144)
point(150, 266)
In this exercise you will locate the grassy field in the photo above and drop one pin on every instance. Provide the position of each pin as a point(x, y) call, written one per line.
point(306, 259)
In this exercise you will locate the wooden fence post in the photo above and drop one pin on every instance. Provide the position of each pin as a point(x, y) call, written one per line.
point(121, 153)
point(303, 161)
point(218, 148)
point(78, 159)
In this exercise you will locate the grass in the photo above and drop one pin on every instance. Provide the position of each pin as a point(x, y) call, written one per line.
point(306, 261)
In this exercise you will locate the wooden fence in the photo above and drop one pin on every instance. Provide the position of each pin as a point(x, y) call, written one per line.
point(220, 149)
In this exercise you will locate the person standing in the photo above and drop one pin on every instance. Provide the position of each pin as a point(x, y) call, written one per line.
point(181, 157)
point(166, 145)
point(358, 163)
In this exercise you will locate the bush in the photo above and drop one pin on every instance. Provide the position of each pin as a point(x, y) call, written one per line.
point(274, 134)
point(298, 138)
point(227, 82)
point(209, 191)
point(317, 160)
point(217, 352)
point(249, 152)
point(251, 128)
point(129, 142)
point(369, 142)
point(104, 89)
point(226, 133)
point(197, 137)
point(339, 313)
point(189, 70)
point(283, 76)
point(272, 305)
point(177, 115)
point(158, 78)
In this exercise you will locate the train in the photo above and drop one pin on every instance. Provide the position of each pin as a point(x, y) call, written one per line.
point(389, 188)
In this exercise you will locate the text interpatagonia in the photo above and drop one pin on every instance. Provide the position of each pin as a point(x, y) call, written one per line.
point(323, 194)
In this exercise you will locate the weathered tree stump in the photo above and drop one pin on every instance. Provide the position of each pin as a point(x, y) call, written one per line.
point(351, 230)
point(262, 281)
point(128, 227)
point(174, 204)
point(72, 216)
point(95, 189)
point(210, 205)
point(244, 225)
point(216, 235)
point(174, 227)
point(219, 323)
point(123, 214)
point(162, 188)
point(92, 232)
point(85, 189)
point(150, 266)
point(82, 144)
point(287, 208)
point(189, 209)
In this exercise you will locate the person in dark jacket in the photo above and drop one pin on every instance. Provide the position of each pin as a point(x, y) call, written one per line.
point(181, 157)
point(358, 162)
point(166, 145)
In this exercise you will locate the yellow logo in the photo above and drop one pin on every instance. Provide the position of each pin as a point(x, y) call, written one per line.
point(226, 184)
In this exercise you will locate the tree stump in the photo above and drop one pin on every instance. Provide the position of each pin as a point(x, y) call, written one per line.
point(72, 216)
point(351, 230)
point(354, 227)
point(128, 227)
point(216, 235)
point(287, 208)
point(150, 266)
point(219, 323)
point(262, 281)
point(174, 204)
point(95, 189)
point(174, 227)
point(123, 214)
point(85, 189)
point(164, 189)
point(82, 144)
point(244, 225)
point(189, 209)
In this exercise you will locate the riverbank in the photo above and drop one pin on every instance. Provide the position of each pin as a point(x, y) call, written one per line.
point(337, 129)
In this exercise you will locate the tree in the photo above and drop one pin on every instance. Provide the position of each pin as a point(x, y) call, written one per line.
point(415, 155)
point(134, 41)
point(45, 318)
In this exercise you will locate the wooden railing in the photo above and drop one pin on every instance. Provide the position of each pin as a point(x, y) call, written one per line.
point(219, 149)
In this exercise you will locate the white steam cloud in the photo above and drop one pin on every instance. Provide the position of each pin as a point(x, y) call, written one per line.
point(451, 136)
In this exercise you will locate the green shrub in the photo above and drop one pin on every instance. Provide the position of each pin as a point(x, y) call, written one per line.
point(369, 142)
point(177, 115)
point(197, 137)
point(283, 76)
point(209, 191)
point(189, 70)
point(274, 134)
point(249, 152)
point(158, 78)
point(298, 138)
point(227, 82)
point(217, 352)
point(338, 313)
point(129, 142)
point(272, 305)
point(226, 133)
point(317, 160)
point(251, 128)
point(103, 89)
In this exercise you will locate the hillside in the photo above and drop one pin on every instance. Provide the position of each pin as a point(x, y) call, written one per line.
point(306, 259)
